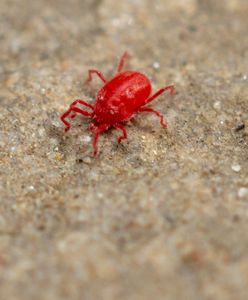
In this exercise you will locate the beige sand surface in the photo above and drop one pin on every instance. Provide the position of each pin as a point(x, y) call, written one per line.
point(165, 214)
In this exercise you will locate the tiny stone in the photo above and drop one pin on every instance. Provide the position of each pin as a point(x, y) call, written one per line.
point(31, 188)
point(217, 105)
point(243, 192)
point(245, 77)
point(85, 139)
point(116, 22)
point(86, 160)
point(100, 195)
point(236, 168)
point(156, 65)
point(41, 132)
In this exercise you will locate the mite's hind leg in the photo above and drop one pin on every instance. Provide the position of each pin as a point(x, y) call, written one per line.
point(171, 88)
point(150, 110)
point(98, 73)
point(123, 58)
point(124, 132)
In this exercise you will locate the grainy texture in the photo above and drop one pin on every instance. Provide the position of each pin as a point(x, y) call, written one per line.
point(165, 214)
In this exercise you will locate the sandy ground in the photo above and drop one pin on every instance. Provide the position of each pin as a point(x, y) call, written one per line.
point(165, 214)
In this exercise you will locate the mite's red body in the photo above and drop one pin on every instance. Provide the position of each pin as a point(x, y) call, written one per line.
point(119, 98)
point(125, 94)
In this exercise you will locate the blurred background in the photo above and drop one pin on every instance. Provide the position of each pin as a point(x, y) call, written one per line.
point(164, 215)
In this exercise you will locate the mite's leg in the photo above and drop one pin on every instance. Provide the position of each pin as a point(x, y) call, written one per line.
point(161, 91)
point(150, 110)
point(123, 58)
point(124, 132)
point(97, 131)
point(63, 119)
point(82, 102)
point(75, 110)
point(98, 73)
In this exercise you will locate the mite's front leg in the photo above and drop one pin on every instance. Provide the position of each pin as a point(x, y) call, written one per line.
point(98, 73)
point(122, 61)
point(75, 110)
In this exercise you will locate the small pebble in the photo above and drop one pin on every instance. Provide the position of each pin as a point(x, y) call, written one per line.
point(236, 168)
point(156, 65)
point(31, 188)
point(86, 160)
point(217, 105)
point(122, 21)
point(243, 192)
point(99, 195)
point(116, 22)
point(85, 139)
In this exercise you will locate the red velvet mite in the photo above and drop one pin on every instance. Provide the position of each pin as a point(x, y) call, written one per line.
point(126, 93)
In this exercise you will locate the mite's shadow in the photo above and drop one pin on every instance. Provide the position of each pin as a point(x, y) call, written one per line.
point(67, 143)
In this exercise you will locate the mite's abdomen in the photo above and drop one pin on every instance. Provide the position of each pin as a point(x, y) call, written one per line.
point(121, 97)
